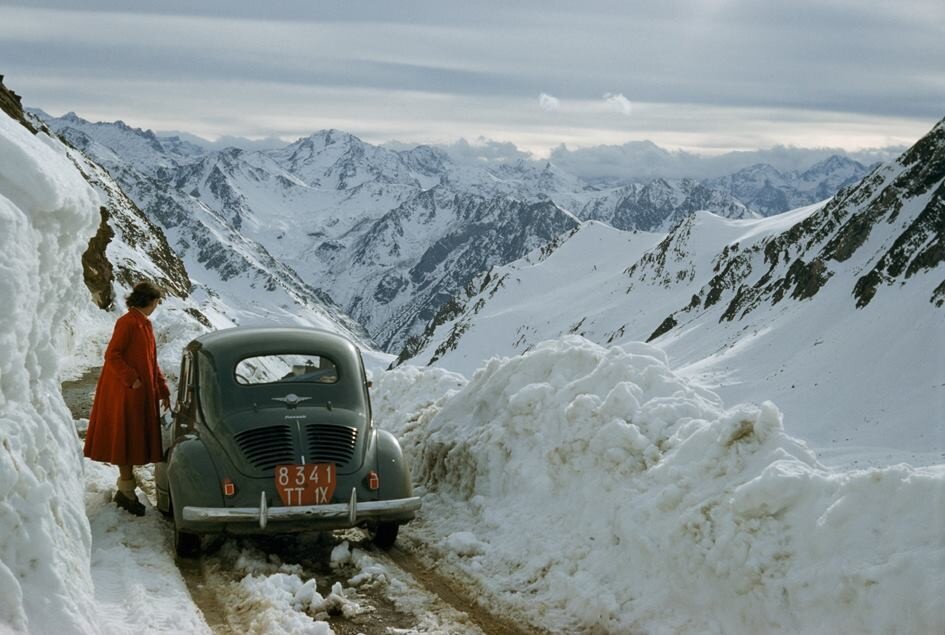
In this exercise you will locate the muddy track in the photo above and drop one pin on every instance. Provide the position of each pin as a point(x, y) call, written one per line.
point(204, 596)
point(456, 596)
point(78, 393)
point(213, 581)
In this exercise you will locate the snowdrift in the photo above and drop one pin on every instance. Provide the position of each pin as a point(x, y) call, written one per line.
point(591, 488)
point(47, 215)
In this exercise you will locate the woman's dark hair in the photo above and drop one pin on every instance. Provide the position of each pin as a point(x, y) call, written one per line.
point(143, 294)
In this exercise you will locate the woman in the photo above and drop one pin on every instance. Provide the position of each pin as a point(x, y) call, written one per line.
point(124, 426)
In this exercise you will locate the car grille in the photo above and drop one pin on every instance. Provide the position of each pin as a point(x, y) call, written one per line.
point(331, 444)
point(267, 447)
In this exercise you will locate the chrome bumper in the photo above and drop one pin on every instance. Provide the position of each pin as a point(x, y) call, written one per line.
point(353, 511)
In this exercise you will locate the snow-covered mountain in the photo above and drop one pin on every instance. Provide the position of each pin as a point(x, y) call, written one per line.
point(660, 204)
point(768, 191)
point(296, 222)
point(235, 273)
point(834, 308)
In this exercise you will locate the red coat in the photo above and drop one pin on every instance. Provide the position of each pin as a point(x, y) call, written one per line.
point(124, 426)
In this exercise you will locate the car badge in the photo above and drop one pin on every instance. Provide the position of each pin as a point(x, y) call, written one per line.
point(291, 400)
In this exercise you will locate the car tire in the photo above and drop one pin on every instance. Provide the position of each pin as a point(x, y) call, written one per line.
point(186, 544)
point(385, 534)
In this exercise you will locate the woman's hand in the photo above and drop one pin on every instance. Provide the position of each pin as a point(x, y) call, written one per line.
point(165, 403)
point(137, 384)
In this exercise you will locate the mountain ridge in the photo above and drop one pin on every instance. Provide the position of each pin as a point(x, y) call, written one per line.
point(312, 202)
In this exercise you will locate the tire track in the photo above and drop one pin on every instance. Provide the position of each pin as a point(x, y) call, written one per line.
point(452, 593)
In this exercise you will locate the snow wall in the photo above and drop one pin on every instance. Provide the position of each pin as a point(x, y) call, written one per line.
point(590, 489)
point(47, 215)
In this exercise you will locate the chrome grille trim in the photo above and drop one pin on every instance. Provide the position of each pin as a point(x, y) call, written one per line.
point(267, 447)
point(330, 444)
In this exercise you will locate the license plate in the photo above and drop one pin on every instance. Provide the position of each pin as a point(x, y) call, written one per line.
point(309, 484)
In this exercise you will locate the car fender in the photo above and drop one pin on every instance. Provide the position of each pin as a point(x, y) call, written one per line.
point(192, 477)
point(391, 467)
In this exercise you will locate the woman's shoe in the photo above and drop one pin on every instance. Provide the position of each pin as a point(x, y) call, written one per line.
point(130, 504)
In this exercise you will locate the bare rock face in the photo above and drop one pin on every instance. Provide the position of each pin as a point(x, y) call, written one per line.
point(11, 104)
point(96, 269)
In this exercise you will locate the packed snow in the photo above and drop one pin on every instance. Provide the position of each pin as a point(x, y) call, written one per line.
point(137, 584)
point(47, 214)
point(591, 488)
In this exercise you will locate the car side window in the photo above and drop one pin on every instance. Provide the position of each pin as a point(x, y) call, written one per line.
point(271, 369)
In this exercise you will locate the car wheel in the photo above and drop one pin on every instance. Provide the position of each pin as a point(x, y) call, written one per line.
point(385, 534)
point(186, 544)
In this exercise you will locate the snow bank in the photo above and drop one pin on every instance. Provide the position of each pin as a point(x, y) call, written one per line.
point(47, 214)
point(591, 488)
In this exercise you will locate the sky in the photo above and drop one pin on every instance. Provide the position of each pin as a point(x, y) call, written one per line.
point(705, 76)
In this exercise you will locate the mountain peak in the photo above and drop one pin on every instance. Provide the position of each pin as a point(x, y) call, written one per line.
point(835, 163)
point(71, 117)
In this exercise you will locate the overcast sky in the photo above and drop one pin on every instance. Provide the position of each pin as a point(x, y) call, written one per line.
point(704, 76)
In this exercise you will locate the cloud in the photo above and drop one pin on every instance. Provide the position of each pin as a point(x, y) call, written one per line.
point(548, 103)
point(644, 160)
point(745, 74)
point(618, 103)
point(487, 150)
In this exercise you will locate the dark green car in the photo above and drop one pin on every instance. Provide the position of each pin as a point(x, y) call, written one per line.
point(272, 432)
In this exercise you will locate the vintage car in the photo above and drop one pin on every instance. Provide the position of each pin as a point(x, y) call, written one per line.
point(272, 432)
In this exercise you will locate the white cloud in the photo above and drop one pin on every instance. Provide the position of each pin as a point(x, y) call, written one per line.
point(618, 103)
point(548, 103)
point(487, 150)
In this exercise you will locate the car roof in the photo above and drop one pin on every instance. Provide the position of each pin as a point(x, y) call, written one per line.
point(246, 341)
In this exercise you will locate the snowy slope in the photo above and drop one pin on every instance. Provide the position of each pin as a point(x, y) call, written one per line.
point(809, 309)
point(396, 274)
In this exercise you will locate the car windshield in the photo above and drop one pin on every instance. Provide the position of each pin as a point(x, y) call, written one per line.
point(286, 368)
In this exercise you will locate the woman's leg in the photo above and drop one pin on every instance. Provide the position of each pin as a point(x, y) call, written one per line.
point(125, 497)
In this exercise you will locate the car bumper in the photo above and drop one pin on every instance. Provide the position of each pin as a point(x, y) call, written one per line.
point(350, 514)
